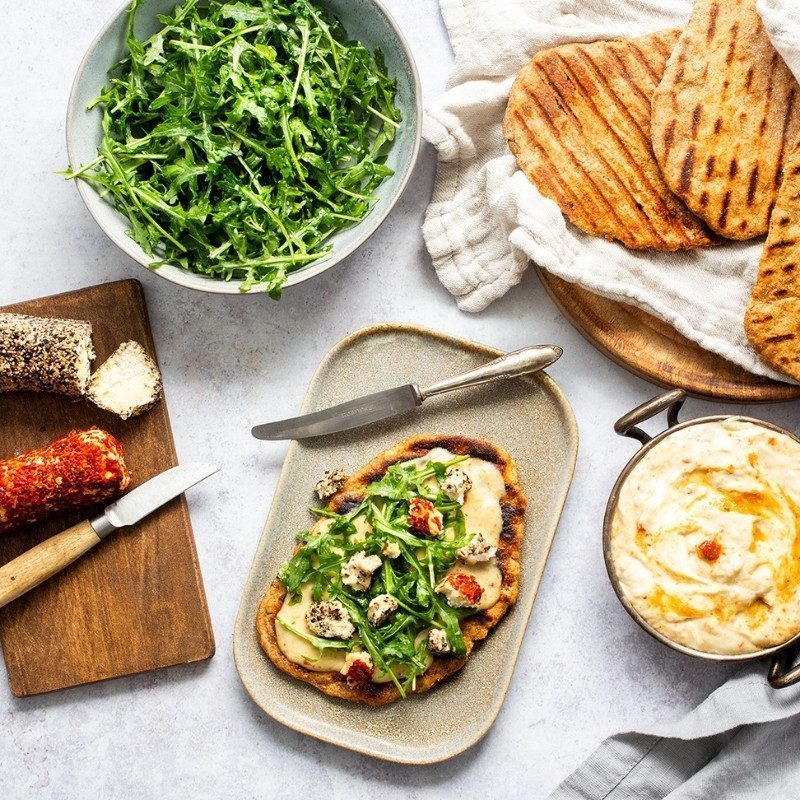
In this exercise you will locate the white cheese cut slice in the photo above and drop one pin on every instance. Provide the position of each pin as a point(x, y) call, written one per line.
point(128, 383)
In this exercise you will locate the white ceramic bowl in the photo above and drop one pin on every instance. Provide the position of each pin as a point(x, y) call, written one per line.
point(364, 20)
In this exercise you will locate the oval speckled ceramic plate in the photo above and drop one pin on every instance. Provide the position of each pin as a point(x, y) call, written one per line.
point(529, 417)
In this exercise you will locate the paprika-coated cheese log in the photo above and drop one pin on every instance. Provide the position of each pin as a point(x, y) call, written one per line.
point(41, 354)
point(82, 469)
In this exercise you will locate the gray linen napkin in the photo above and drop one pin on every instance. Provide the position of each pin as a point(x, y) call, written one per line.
point(743, 742)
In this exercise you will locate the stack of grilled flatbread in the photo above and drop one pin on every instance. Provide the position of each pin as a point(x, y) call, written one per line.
point(672, 141)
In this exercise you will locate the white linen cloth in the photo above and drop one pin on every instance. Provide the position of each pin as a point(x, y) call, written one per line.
point(486, 220)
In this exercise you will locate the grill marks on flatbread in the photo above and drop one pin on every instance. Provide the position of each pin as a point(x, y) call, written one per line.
point(772, 321)
point(724, 114)
point(578, 122)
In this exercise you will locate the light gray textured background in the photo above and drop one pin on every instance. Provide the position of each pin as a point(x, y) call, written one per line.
point(585, 670)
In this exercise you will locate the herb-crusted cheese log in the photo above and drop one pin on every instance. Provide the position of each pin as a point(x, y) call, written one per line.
point(82, 469)
point(128, 383)
point(41, 354)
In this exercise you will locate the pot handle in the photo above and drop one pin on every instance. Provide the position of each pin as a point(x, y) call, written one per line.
point(626, 426)
point(781, 673)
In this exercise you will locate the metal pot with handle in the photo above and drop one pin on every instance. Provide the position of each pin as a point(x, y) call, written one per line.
point(781, 672)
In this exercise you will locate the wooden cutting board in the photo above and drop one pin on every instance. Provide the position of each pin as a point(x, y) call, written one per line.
point(136, 601)
point(656, 352)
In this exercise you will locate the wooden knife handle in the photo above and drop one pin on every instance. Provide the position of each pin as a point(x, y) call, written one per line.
point(43, 561)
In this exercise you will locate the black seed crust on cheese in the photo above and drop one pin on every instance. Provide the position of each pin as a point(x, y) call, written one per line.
point(43, 354)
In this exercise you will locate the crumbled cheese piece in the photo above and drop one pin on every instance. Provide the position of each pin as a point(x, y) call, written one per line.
point(437, 642)
point(460, 590)
point(330, 620)
point(390, 550)
point(477, 550)
point(357, 572)
point(425, 518)
point(330, 483)
point(456, 484)
point(358, 668)
point(381, 608)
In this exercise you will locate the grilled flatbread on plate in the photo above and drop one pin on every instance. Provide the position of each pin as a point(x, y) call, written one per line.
point(724, 115)
point(495, 502)
point(578, 122)
point(773, 316)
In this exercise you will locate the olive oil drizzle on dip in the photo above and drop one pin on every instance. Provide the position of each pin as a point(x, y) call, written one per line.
point(398, 648)
point(705, 539)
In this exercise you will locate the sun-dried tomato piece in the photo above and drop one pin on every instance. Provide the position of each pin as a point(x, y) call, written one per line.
point(359, 674)
point(710, 549)
point(424, 517)
point(467, 586)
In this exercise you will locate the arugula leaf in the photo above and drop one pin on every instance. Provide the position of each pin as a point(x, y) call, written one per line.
point(242, 135)
point(402, 479)
point(295, 571)
point(319, 643)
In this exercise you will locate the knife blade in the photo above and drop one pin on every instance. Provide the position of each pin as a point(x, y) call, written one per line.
point(41, 562)
point(151, 495)
point(352, 414)
point(391, 402)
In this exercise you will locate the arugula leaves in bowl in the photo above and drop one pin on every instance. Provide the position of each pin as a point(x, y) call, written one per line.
point(239, 137)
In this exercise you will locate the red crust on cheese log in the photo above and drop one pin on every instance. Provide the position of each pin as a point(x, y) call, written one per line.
point(82, 469)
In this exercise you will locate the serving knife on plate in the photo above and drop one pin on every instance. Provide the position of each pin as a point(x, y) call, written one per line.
point(389, 403)
point(39, 563)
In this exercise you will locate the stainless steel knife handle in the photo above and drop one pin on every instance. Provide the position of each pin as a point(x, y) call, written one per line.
point(510, 365)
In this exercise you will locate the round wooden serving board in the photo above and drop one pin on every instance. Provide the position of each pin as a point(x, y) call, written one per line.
point(655, 351)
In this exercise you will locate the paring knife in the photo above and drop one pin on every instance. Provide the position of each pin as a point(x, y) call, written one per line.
point(51, 556)
point(374, 407)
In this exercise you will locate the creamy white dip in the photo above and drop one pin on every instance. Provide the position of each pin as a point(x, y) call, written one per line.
point(705, 540)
